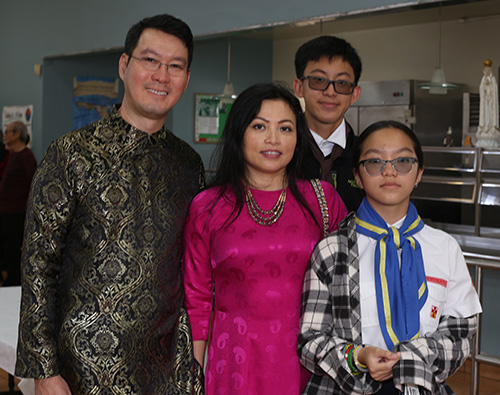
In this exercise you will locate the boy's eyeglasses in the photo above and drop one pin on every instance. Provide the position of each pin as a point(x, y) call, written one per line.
point(321, 84)
point(375, 167)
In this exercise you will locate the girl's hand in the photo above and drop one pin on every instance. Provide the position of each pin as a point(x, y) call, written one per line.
point(378, 361)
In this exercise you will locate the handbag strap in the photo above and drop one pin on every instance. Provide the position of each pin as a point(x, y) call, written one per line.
point(320, 194)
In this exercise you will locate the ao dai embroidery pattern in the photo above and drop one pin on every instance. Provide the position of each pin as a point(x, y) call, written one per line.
point(257, 274)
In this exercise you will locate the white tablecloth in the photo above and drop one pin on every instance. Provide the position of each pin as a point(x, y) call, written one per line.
point(10, 298)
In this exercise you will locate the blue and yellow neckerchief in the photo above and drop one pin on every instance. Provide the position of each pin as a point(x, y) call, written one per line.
point(401, 291)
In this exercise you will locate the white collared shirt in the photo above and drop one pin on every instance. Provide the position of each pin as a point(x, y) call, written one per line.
point(451, 291)
point(338, 137)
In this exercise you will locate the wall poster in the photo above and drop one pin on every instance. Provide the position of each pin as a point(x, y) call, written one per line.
point(93, 98)
point(211, 112)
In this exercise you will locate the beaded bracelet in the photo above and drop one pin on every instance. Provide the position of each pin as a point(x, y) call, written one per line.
point(350, 360)
point(357, 364)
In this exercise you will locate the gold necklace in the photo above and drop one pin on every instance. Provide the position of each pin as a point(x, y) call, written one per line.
point(265, 217)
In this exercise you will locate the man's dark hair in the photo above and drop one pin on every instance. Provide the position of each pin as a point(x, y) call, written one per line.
point(165, 23)
point(327, 47)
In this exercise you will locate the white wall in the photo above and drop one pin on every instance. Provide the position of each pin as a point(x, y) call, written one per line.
point(411, 51)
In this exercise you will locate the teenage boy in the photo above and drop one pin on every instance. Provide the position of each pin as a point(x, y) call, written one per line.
point(328, 70)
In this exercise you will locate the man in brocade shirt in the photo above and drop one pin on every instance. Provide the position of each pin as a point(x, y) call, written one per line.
point(102, 299)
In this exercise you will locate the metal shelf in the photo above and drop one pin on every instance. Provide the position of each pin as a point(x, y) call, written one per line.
point(462, 175)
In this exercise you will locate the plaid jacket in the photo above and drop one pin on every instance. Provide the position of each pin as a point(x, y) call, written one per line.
point(331, 319)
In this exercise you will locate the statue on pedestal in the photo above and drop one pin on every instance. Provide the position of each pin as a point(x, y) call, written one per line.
point(488, 135)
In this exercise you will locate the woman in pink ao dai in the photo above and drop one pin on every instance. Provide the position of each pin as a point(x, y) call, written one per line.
point(248, 241)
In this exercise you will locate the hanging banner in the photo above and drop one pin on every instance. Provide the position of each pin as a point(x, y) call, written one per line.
point(93, 98)
point(22, 114)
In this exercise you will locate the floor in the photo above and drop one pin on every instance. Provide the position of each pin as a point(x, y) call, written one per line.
point(459, 382)
point(4, 382)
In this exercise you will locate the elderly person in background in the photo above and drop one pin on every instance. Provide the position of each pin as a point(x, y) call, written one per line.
point(14, 190)
point(3, 155)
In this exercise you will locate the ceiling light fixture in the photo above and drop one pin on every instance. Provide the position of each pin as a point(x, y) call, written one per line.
point(228, 91)
point(438, 85)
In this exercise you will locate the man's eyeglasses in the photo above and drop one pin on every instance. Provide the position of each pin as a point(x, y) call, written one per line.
point(152, 64)
point(376, 167)
point(321, 84)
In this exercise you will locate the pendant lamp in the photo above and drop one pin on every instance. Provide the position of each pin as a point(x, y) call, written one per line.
point(228, 91)
point(438, 85)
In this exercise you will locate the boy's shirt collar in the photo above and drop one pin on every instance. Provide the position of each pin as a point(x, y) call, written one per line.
point(338, 137)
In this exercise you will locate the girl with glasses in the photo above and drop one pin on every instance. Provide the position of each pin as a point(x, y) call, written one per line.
point(388, 303)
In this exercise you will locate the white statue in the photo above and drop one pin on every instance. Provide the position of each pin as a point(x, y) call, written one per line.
point(488, 135)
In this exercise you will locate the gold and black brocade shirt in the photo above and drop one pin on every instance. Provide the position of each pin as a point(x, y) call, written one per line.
point(102, 290)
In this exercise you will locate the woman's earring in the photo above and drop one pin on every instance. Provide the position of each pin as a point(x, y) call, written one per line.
point(416, 185)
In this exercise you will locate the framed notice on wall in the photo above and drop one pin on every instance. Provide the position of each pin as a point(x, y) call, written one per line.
point(210, 116)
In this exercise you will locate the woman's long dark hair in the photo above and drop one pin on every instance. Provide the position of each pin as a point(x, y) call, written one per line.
point(229, 156)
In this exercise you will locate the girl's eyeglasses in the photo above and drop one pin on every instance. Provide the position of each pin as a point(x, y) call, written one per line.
point(375, 167)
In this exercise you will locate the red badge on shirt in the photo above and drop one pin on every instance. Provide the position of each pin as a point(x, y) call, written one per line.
point(434, 312)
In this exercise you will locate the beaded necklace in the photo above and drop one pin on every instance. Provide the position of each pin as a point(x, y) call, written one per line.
point(265, 217)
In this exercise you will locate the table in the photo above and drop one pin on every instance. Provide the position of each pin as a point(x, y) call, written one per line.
point(10, 298)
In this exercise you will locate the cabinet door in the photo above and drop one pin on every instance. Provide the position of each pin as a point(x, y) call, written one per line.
point(369, 115)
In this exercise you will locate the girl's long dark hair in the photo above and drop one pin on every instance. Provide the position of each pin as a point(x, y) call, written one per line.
point(229, 158)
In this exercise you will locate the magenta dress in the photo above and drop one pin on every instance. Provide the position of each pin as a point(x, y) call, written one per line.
point(253, 274)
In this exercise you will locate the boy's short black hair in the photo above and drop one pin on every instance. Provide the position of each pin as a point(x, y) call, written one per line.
point(327, 47)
